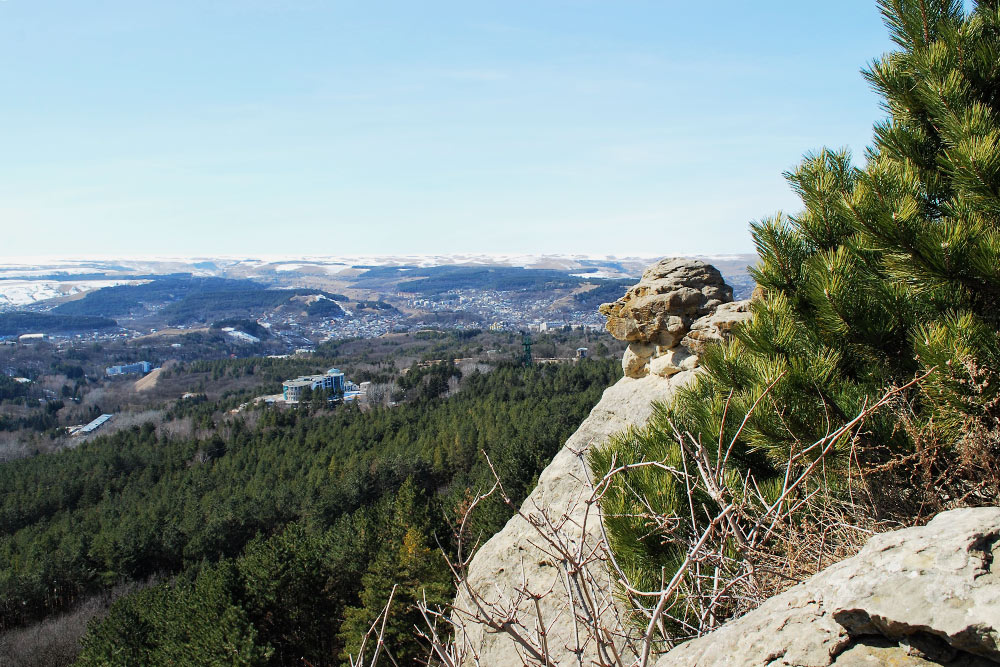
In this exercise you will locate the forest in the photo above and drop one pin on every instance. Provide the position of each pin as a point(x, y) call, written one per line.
point(189, 299)
point(275, 535)
point(204, 306)
point(21, 322)
point(121, 300)
point(432, 280)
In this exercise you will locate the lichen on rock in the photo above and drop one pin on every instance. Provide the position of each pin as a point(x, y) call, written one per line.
point(678, 301)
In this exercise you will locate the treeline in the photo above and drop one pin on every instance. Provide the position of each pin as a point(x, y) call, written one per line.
point(251, 327)
point(271, 371)
point(124, 299)
point(284, 530)
point(433, 280)
point(427, 381)
point(375, 305)
point(43, 419)
point(445, 278)
point(187, 299)
point(607, 291)
point(21, 322)
point(324, 308)
point(11, 388)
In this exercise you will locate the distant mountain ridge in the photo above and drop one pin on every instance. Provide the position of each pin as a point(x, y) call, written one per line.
point(184, 299)
point(56, 283)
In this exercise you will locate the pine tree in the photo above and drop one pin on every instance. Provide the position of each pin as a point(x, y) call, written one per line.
point(409, 570)
point(888, 272)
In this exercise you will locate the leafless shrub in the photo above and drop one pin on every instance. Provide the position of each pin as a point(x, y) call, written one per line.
point(16, 445)
point(379, 393)
point(176, 428)
point(50, 643)
point(756, 543)
point(375, 636)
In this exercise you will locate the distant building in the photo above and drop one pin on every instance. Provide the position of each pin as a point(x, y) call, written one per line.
point(142, 367)
point(32, 338)
point(581, 353)
point(332, 381)
point(96, 424)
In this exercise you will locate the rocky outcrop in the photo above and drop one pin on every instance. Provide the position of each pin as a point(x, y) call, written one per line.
point(715, 327)
point(670, 302)
point(678, 307)
point(921, 596)
point(516, 556)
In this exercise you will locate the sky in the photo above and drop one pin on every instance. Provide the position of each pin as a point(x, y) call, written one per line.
point(306, 127)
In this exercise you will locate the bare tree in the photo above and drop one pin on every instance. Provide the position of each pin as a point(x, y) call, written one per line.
point(750, 547)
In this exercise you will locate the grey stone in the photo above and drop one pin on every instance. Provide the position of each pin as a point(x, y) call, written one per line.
point(562, 490)
point(670, 295)
point(931, 592)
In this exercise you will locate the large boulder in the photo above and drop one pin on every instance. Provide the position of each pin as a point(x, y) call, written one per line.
point(715, 327)
point(653, 316)
point(678, 301)
point(921, 596)
point(670, 295)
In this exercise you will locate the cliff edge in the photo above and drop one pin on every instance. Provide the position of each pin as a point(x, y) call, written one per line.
point(524, 582)
point(928, 595)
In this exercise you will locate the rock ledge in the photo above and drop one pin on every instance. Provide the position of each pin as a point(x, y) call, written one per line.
point(921, 596)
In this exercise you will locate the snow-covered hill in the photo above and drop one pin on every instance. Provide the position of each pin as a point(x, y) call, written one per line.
point(26, 281)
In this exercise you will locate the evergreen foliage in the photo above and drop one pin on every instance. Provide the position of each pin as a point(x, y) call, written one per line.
point(21, 322)
point(888, 273)
point(275, 527)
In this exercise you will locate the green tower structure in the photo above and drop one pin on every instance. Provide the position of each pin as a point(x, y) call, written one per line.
point(526, 344)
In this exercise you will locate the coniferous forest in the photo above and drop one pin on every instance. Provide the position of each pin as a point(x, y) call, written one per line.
point(279, 536)
point(886, 281)
point(868, 370)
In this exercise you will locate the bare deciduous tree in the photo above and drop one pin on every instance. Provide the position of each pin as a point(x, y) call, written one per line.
point(753, 545)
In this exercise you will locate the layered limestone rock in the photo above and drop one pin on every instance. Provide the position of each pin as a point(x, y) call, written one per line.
point(715, 327)
point(670, 302)
point(516, 556)
point(678, 307)
point(921, 596)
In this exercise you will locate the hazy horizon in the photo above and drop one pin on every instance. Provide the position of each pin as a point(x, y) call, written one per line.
point(229, 127)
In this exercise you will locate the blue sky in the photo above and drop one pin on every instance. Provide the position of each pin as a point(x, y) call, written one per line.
point(304, 127)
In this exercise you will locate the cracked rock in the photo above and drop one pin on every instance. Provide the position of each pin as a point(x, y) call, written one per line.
point(672, 294)
point(921, 596)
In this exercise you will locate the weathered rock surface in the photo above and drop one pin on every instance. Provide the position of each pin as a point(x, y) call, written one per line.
point(677, 301)
point(671, 294)
point(921, 596)
point(562, 489)
point(653, 316)
point(635, 361)
point(716, 326)
point(673, 361)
